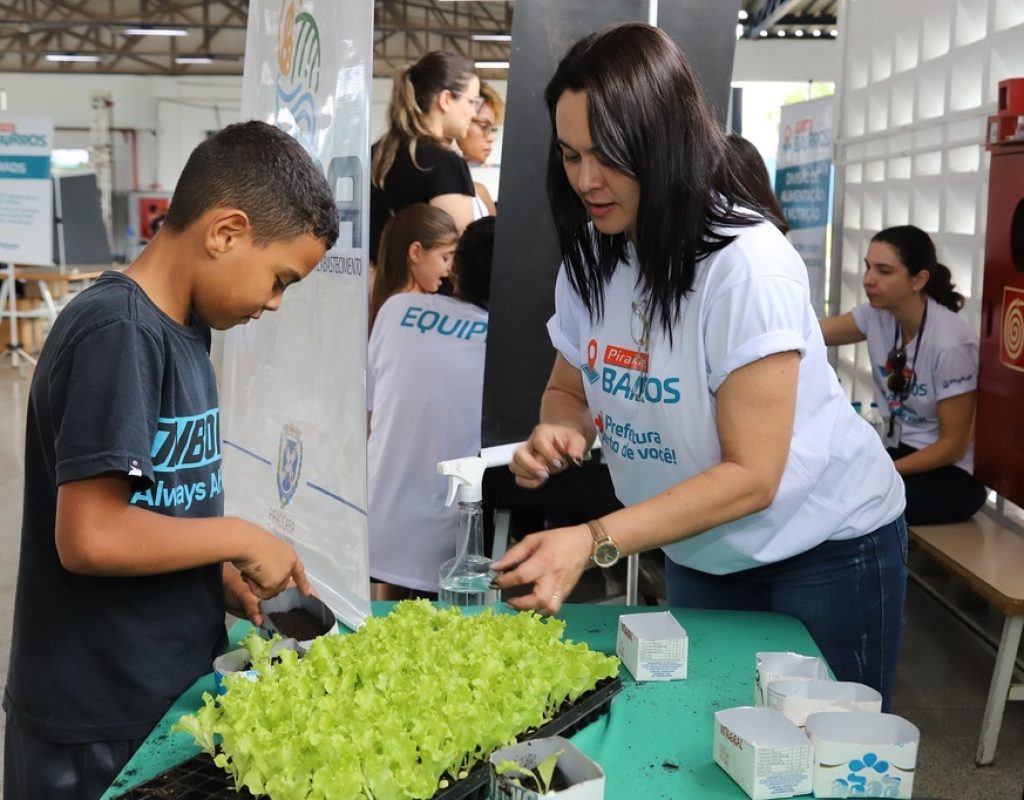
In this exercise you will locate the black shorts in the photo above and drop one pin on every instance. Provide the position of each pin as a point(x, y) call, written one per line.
point(36, 769)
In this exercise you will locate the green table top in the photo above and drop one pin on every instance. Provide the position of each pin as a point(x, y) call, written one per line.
point(656, 735)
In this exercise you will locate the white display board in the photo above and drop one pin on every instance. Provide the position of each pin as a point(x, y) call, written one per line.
point(294, 395)
point(803, 181)
point(26, 193)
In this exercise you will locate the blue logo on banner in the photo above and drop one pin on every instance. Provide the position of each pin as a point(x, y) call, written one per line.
point(289, 463)
point(24, 167)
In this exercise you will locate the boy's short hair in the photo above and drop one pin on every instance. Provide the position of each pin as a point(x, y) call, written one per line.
point(261, 170)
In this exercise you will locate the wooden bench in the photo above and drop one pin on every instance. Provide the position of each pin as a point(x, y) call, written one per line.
point(989, 558)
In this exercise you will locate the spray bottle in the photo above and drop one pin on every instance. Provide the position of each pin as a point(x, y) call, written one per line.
point(465, 580)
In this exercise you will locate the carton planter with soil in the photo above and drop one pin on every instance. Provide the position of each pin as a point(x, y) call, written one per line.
point(416, 702)
point(297, 616)
point(549, 767)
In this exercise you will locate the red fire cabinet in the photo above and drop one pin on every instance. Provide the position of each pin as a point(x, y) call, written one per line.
point(999, 439)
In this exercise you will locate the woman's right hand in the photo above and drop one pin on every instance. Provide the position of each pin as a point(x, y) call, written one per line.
point(270, 565)
point(549, 450)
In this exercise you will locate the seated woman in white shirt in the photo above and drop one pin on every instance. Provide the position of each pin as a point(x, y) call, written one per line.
point(924, 360)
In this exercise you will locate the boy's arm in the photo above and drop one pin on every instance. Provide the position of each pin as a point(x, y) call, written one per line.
point(100, 533)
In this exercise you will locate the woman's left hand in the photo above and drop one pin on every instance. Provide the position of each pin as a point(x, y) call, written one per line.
point(552, 561)
point(239, 598)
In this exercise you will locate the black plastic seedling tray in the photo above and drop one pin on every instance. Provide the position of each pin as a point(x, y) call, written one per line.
point(200, 779)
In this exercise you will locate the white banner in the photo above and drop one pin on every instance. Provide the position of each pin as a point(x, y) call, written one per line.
point(26, 191)
point(294, 394)
point(803, 183)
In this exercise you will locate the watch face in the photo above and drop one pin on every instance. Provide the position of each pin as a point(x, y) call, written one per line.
point(606, 554)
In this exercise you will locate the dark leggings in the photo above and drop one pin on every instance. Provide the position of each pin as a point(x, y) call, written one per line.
point(35, 769)
point(945, 494)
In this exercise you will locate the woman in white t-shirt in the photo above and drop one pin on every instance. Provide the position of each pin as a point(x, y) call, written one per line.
point(924, 360)
point(687, 342)
point(424, 380)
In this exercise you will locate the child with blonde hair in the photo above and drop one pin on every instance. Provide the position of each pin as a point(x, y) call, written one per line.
point(424, 379)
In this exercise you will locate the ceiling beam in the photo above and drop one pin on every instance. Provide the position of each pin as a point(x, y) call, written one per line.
point(769, 13)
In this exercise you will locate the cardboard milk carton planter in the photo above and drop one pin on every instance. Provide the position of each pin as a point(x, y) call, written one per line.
point(863, 755)
point(796, 699)
point(584, 777)
point(780, 666)
point(765, 753)
point(653, 646)
point(292, 599)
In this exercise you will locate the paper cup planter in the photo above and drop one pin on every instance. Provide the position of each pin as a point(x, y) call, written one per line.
point(297, 616)
point(779, 666)
point(765, 753)
point(576, 777)
point(862, 755)
point(796, 699)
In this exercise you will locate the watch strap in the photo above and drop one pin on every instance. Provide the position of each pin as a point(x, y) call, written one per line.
point(598, 532)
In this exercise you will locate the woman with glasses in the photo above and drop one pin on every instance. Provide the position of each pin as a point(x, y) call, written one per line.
point(687, 343)
point(924, 359)
point(433, 102)
point(477, 143)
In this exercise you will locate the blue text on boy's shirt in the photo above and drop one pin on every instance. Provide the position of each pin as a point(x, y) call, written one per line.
point(184, 443)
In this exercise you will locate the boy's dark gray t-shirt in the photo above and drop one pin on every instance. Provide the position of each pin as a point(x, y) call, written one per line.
point(120, 389)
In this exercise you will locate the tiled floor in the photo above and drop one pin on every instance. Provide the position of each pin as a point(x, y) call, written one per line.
point(941, 684)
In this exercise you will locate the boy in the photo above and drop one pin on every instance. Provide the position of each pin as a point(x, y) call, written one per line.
point(127, 564)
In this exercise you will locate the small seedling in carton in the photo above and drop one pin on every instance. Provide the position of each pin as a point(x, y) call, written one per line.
point(541, 776)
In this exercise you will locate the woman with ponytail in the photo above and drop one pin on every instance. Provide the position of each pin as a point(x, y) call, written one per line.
point(433, 102)
point(924, 359)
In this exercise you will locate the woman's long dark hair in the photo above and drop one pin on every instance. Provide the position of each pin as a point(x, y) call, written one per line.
point(649, 120)
point(750, 169)
point(917, 251)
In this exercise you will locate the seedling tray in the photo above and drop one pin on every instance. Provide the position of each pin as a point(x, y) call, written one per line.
point(200, 779)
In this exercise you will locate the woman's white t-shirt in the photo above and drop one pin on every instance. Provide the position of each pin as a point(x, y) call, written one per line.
point(750, 300)
point(424, 386)
point(944, 363)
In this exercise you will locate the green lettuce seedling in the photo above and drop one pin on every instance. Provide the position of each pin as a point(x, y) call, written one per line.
point(541, 775)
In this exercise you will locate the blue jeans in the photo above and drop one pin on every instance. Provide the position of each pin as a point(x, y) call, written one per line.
point(849, 594)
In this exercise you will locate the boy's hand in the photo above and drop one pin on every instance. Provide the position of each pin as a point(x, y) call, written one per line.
point(239, 599)
point(270, 565)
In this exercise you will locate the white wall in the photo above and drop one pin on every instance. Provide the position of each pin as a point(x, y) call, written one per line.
point(169, 116)
point(782, 60)
point(912, 101)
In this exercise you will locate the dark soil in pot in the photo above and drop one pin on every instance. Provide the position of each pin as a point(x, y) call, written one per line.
point(298, 624)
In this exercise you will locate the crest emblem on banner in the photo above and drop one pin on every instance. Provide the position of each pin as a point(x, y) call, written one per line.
point(289, 463)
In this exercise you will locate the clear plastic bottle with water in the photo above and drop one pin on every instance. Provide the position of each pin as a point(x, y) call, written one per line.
point(465, 581)
point(874, 417)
